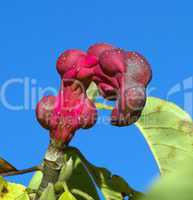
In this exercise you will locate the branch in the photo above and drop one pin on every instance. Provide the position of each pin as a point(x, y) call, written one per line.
point(24, 171)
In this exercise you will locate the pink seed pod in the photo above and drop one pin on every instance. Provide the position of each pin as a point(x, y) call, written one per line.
point(119, 75)
point(45, 112)
point(85, 69)
point(119, 118)
point(64, 131)
point(107, 91)
point(66, 113)
point(113, 62)
point(99, 48)
point(87, 61)
point(88, 114)
point(100, 77)
point(138, 69)
point(129, 106)
point(133, 99)
point(68, 59)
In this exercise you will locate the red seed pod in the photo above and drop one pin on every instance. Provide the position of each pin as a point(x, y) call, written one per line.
point(119, 118)
point(138, 69)
point(88, 114)
point(129, 106)
point(45, 112)
point(68, 59)
point(113, 62)
point(119, 75)
point(134, 116)
point(135, 98)
point(98, 49)
point(64, 131)
point(107, 91)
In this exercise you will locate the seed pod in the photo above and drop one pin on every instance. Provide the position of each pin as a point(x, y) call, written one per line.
point(44, 112)
point(107, 91)
point(88, 114)
point(68, 59)
point(113, 62)
point(98, 49)
point(129, 106)
point(119, 118)
point(135, 98)
point(138, 69)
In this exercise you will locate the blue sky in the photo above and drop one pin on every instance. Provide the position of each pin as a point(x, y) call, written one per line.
point(34, 33)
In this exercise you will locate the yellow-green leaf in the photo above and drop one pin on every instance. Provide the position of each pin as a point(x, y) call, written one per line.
point(101, 106)
point(36, 180)
point(67, 196)
point(12, 191)
point(169, 132)
point(75, 170)
point(66, 171)
point(177, 185)
point(48, 193)
point(112, 187)
point(92, 91)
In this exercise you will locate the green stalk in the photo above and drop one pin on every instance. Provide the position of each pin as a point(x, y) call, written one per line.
point(52, 165)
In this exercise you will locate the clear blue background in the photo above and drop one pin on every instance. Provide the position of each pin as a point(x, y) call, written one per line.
point(34, 33)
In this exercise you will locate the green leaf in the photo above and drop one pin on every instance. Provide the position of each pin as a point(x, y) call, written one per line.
point(101, 106)
point(75, 170)
point(177, 185)
point(23, 196)
point(168, 131)
point(48, 193)
point(67, 196)
point(66, 171)
point(104, 181)
point(36, 180)
point(112, 187)
point(92, 91)
point(3, 184)
point(81, 194)
point(12, 191)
